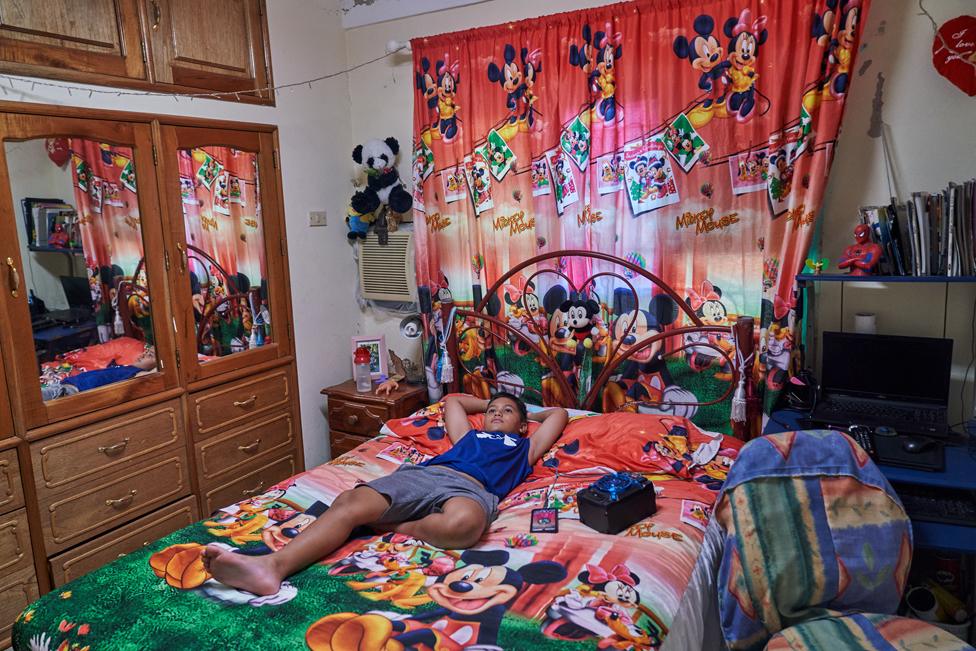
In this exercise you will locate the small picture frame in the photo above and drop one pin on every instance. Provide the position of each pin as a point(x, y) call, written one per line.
point(378, 354)
point(544, 521)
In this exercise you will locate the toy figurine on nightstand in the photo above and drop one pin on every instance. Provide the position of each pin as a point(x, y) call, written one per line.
point(863, 256)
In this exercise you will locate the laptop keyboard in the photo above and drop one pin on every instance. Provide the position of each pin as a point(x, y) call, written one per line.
point(884, 411)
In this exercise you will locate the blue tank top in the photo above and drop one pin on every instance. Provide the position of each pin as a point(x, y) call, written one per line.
point(498, 460)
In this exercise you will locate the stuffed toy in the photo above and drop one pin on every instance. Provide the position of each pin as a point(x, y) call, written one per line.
point(383, 185)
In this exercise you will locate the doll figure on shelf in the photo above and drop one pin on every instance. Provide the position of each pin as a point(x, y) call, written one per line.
point(863, 256)
point(58, 238)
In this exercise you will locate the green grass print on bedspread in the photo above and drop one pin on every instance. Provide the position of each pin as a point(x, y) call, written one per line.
point(124, 606)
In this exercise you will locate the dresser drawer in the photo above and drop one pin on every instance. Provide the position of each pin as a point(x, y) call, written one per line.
point(15, 544)
point(72, 517)
point(92, 451)
point(16, 592)
point(227, 453)
point(254, 483)
point(355, 418)
point(83, 559)
point(341, 442)
point(236, 403)
point(11, 493)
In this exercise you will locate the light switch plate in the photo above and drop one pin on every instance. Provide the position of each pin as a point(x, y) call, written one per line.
point(316, 218)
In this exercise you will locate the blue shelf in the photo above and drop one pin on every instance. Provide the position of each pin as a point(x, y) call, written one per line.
point(946, 537)
point(55, 249)
point(844, 278)
point(960, 471)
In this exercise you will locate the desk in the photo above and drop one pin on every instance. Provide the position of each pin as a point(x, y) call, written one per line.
point(959, 473)
point(62, 338)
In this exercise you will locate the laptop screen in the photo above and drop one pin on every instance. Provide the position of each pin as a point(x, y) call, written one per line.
point(913, 369)
point(77, 291)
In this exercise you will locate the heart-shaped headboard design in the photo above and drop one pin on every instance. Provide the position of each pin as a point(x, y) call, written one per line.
point(957, 62)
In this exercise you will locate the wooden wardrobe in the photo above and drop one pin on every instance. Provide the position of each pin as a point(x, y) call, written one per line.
point(178, 234)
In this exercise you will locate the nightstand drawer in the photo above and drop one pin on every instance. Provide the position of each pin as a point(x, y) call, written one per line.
point(16, 592)
point(11, 493)
point(341, 442)
point(236, 403)
point(15, 544)
point(254, 483)
point(355, 418)
point(105, 549)
point(220, 455)
point(108, 446)
point(71, 517)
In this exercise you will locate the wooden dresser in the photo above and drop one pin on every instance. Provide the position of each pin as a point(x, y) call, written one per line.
point(355, 418)
point(90, 476)
point(18, 581)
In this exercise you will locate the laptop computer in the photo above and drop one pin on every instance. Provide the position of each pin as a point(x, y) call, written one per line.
point(78, 293)
point(873, 380)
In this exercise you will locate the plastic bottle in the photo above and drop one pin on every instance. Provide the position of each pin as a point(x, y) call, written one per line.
point(360, 372)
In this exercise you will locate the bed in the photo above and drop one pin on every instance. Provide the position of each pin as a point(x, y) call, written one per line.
point(131, 341)
point(650, 587)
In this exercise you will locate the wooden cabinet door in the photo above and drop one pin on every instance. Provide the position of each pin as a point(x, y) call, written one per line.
point(221, 195)
point(218, 45)
point(58, 37)
point(97, 264)
point(6, 419)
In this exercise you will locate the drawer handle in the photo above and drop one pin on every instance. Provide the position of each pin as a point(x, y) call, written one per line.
point(112, 450)
point(352, 419)
point(122, 501)
point(250, 447)
point(246, 403)
point(254, 491)
point(120, 555)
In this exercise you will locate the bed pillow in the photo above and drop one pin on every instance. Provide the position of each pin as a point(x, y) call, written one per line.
point(425, 428)
point(646, 443)
point(599, 443)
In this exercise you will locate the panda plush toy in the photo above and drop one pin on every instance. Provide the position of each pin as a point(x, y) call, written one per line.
point(383, 185)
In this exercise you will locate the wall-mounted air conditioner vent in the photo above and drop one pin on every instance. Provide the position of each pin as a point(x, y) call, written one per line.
point(386, 272)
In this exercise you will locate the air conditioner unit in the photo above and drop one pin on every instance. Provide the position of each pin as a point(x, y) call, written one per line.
point(386, 272)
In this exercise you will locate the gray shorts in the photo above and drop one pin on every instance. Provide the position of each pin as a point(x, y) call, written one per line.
point(417, 491)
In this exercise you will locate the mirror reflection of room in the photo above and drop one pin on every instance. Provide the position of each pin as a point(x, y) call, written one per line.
point(84, 270)
point(225, 254)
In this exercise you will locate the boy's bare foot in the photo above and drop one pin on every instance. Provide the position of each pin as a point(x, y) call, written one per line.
point(255, 574)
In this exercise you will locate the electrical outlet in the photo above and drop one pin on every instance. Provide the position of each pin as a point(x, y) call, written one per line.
point(316, 218)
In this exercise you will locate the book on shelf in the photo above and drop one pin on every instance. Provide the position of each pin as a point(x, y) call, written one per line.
point(929, 234)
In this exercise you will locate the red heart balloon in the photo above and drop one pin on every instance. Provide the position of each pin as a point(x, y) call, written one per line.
point(58, 150)
point(957, 62)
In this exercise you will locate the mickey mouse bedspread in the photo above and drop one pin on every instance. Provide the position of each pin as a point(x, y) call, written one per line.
point(514, 590)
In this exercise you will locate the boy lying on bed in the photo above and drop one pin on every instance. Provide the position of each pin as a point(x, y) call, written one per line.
point(448, 501)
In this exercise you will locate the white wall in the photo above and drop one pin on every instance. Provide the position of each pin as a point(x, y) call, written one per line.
point(931, 127)
point(32, 174)
point(314, 127)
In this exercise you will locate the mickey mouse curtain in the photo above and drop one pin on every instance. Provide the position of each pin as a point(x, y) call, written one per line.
point(220, 197)
point(692, 138)
point(104, 181)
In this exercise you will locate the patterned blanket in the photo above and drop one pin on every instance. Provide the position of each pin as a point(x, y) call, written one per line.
point(514, 590)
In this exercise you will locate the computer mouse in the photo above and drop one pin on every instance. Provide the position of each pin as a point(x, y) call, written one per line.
point(916, 445)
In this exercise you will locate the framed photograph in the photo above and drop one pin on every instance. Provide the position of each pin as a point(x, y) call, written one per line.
point(378, 354)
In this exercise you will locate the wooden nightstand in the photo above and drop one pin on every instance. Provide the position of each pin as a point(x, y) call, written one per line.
point(355, 418)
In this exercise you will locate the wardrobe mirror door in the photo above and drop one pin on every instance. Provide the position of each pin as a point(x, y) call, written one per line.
point(225, 250)
point(83, 262)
